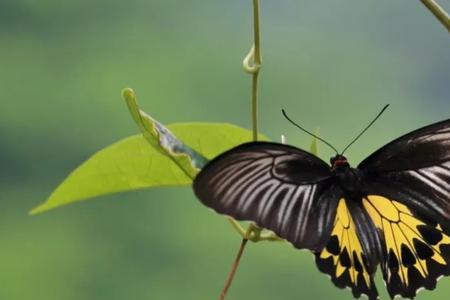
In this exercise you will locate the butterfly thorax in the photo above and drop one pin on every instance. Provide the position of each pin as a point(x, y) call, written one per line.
point(349, 179)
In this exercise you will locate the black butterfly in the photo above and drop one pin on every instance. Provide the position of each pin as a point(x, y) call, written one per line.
point(393, 210)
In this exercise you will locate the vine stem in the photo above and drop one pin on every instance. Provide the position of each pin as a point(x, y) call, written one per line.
point(253, 233)
point(252, 65)
point(438, 12)
point(257, 66)
point(234, 268)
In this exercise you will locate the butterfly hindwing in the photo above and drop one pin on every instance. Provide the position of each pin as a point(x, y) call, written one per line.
point(417, 251)
point(279, 187)
point(408, 187)
point(345, 257)
point(425, 190)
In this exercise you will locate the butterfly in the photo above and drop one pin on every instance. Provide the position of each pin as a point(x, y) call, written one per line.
point(391, 211)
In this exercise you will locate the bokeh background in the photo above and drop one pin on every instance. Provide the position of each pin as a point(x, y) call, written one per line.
point(331, 64)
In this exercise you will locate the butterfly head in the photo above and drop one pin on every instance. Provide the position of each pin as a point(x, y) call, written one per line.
point(339, 161)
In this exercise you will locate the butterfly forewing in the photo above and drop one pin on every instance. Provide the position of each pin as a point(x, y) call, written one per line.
point(425, 147)
point(279, 187)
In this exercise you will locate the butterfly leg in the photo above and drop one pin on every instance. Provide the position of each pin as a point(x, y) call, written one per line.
point(237, 226)
point(254, 233)
point(270, 237)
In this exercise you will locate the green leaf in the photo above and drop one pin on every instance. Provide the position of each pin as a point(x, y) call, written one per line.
point(133, 163)
point(188, 159)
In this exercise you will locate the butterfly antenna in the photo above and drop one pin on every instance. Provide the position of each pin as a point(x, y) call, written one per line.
point(365, 129)
point(308, 132)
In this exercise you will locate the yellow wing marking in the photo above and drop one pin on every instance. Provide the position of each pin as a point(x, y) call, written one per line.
point(349, 246)
point(406, 245)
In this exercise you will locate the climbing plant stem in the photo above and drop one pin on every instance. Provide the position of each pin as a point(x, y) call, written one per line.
point(252, 65)
point(438, 12)
point(257, 63)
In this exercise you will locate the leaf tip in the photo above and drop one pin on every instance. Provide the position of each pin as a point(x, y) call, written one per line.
point(44, 207)
point(128, 94)
point(37, 210)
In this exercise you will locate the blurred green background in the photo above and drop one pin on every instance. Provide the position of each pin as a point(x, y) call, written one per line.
point(331, 64)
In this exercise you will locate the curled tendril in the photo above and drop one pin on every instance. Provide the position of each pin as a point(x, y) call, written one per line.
point(249, 64)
